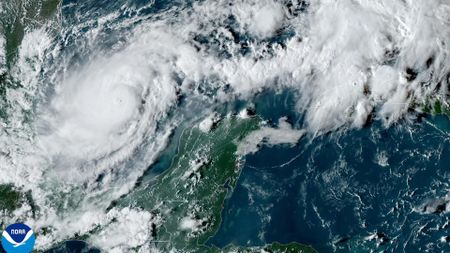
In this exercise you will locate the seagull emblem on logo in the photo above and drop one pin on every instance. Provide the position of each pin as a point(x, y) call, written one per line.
point(17, 244)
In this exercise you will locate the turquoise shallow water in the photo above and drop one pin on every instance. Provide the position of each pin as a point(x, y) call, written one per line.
point(331, 191)
point(336, 191)
point(361, 190)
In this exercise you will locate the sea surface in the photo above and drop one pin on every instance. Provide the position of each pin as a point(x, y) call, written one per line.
point(95, 98)
point(362, 190)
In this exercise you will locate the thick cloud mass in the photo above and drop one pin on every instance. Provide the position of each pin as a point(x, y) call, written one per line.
point(99, 122)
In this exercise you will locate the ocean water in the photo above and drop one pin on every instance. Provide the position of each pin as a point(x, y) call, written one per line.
point(336, 191)
point(102, 91)
point(373, 189)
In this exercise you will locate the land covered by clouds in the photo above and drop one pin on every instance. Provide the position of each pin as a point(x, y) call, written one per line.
point(92, 109)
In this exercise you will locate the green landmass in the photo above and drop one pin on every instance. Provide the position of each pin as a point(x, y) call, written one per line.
point(16, 18)
point(19, 16)
point(10, 198)
point(436, 107)
point(190, 195)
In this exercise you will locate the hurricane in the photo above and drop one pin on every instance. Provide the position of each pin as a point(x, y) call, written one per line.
point(101, 102)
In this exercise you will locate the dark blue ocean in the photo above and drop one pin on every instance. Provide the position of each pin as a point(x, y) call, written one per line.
point(334, 192)
point(374, 189)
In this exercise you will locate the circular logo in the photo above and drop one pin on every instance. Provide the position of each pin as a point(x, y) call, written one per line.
point(18, 238)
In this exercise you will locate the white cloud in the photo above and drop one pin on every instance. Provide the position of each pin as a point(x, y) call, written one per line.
point(260, 18)
point(127, 230)
point(208, 123)
point(347, 60)
point(269, 136)
point(2, 53)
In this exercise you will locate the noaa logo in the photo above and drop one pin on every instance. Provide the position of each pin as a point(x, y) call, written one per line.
point(18, 238)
